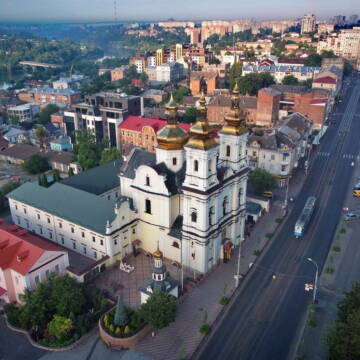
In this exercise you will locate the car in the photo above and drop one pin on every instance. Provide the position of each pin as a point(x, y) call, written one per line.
point(267, 194)
point(351, 216)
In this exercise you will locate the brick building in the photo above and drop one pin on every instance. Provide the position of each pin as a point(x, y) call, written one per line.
point(201, 80)
point(141, 132)
point(47, 95)
point(118, 73)
point(268, 106)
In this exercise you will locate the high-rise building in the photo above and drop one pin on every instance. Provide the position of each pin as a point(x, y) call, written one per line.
point(353, 19)
point(178, 52)
point(195, 37)
point(308, 23)
point(159, 57)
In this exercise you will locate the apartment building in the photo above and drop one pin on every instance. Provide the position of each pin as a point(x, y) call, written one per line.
point(308, 23)
point(25, 112)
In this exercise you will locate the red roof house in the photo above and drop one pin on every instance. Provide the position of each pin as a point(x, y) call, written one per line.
point(26, 260)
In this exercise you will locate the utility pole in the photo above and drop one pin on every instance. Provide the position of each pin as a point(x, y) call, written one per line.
point(286, 196)
point(316, 278)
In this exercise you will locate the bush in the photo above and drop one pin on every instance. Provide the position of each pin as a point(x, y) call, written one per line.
point(312, 323)
point(269, 235)
point(336, 248)
point(279, 220)
point(224, 301)
point(343, 231)
point(205, 329)
point(36, 164)
point(257, 252)
point(329, 270)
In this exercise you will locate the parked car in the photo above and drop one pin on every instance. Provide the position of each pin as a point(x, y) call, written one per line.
point(267, 194)
point(351, 216)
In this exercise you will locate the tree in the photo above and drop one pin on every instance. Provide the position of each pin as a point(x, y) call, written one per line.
point(60, 327)
point(42, 180)
point(45, 114)
point(180, 93)
point(71, 171)
point(262, 181)
point(350, 303)
point(120, 318)
point(235, 73)
point(251, 83)
point(10, 186)
point(109, 155)
point(159, 310)
point(14, 119)
point(313, 60)
point(36, 164)
point(56, 175)
point(290, 80)
point(144, 77)
point(190, 115)
point(40, 134)
point(87, 150)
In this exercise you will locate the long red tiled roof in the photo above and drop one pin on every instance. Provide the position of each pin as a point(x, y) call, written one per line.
point(318, 101)
point(136, 123)
point(325, 80)
point(19, 250)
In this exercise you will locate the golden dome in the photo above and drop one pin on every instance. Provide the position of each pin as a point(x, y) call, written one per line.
point(158, 254)
point(171, 136)
point(201, 133)
point(235, 118)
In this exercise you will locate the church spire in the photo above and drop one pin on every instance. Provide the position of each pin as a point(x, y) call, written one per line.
point(235, 118)
point(201, 134)
point(171, 136)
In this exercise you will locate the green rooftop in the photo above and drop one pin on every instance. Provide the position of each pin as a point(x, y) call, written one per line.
point(71, 204)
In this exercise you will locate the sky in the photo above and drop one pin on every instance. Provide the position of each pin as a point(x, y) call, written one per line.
point(99, 10)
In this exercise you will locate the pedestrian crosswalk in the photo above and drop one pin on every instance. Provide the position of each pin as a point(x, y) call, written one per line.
point(344, 156)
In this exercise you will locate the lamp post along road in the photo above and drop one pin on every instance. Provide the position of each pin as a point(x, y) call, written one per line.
point(316, 278)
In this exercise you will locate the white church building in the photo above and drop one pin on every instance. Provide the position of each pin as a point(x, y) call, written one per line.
point(189, 197)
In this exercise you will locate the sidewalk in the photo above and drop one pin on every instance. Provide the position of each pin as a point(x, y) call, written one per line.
point(183, 335)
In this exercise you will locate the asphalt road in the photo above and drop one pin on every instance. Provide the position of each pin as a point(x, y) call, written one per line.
point(263, 322)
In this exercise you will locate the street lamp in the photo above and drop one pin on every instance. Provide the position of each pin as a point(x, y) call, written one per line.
point(316, 278)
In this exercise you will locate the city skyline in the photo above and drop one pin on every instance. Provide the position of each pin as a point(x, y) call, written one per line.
point(82, 10)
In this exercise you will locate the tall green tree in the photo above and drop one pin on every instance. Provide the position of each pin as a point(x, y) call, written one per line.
point(109, 155)
point(235, 73)
point(290, 80)
point(40, 134)
point(190, 115)
point(45, 114)
point(262, 181)
point(120, 318)
point(251, 83)
point(36, 164)
point(180, 93)
point(159, 310)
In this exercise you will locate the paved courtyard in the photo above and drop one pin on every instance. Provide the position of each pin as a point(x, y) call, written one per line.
point(126, 285)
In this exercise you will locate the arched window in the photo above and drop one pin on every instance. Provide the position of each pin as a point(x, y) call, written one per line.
point(147, 181)
point(211, 216)
point(240, 195)
point(193, 216)
point(196, 165)
point(148, 206)
point(225, 204)
point(176, 244)
point(174, 160)
point(227, 150)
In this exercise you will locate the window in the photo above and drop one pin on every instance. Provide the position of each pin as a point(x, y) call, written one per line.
point(16, 207)
point(283, 167)
point(18, 220)
point(84, 249)
point(116, 194)
point(17, 280)
point(115, 241)
point(227, 150)
point(193, 216)
point(108, 197)
point(74, 245)
point(196, 165)
point(101, 242)
point(47, 273)
point(240, 195)
point(176, 244)
point(38, 216)
point(50, 234)
point(57, 268)
point(60, 225)
point(211, 216)
point(72, 230)
point(148, 206)
point(134, 231)
point(48, 220)
point(147, 181)
point(272, 157)
point(95, 255)
point(62, 240)
point(37, 279)
point(40, 230)
point(93, 238)
point(174, 160)
point(254, 153)
point(82, 234)
point(24, 211)
point(225, 203)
